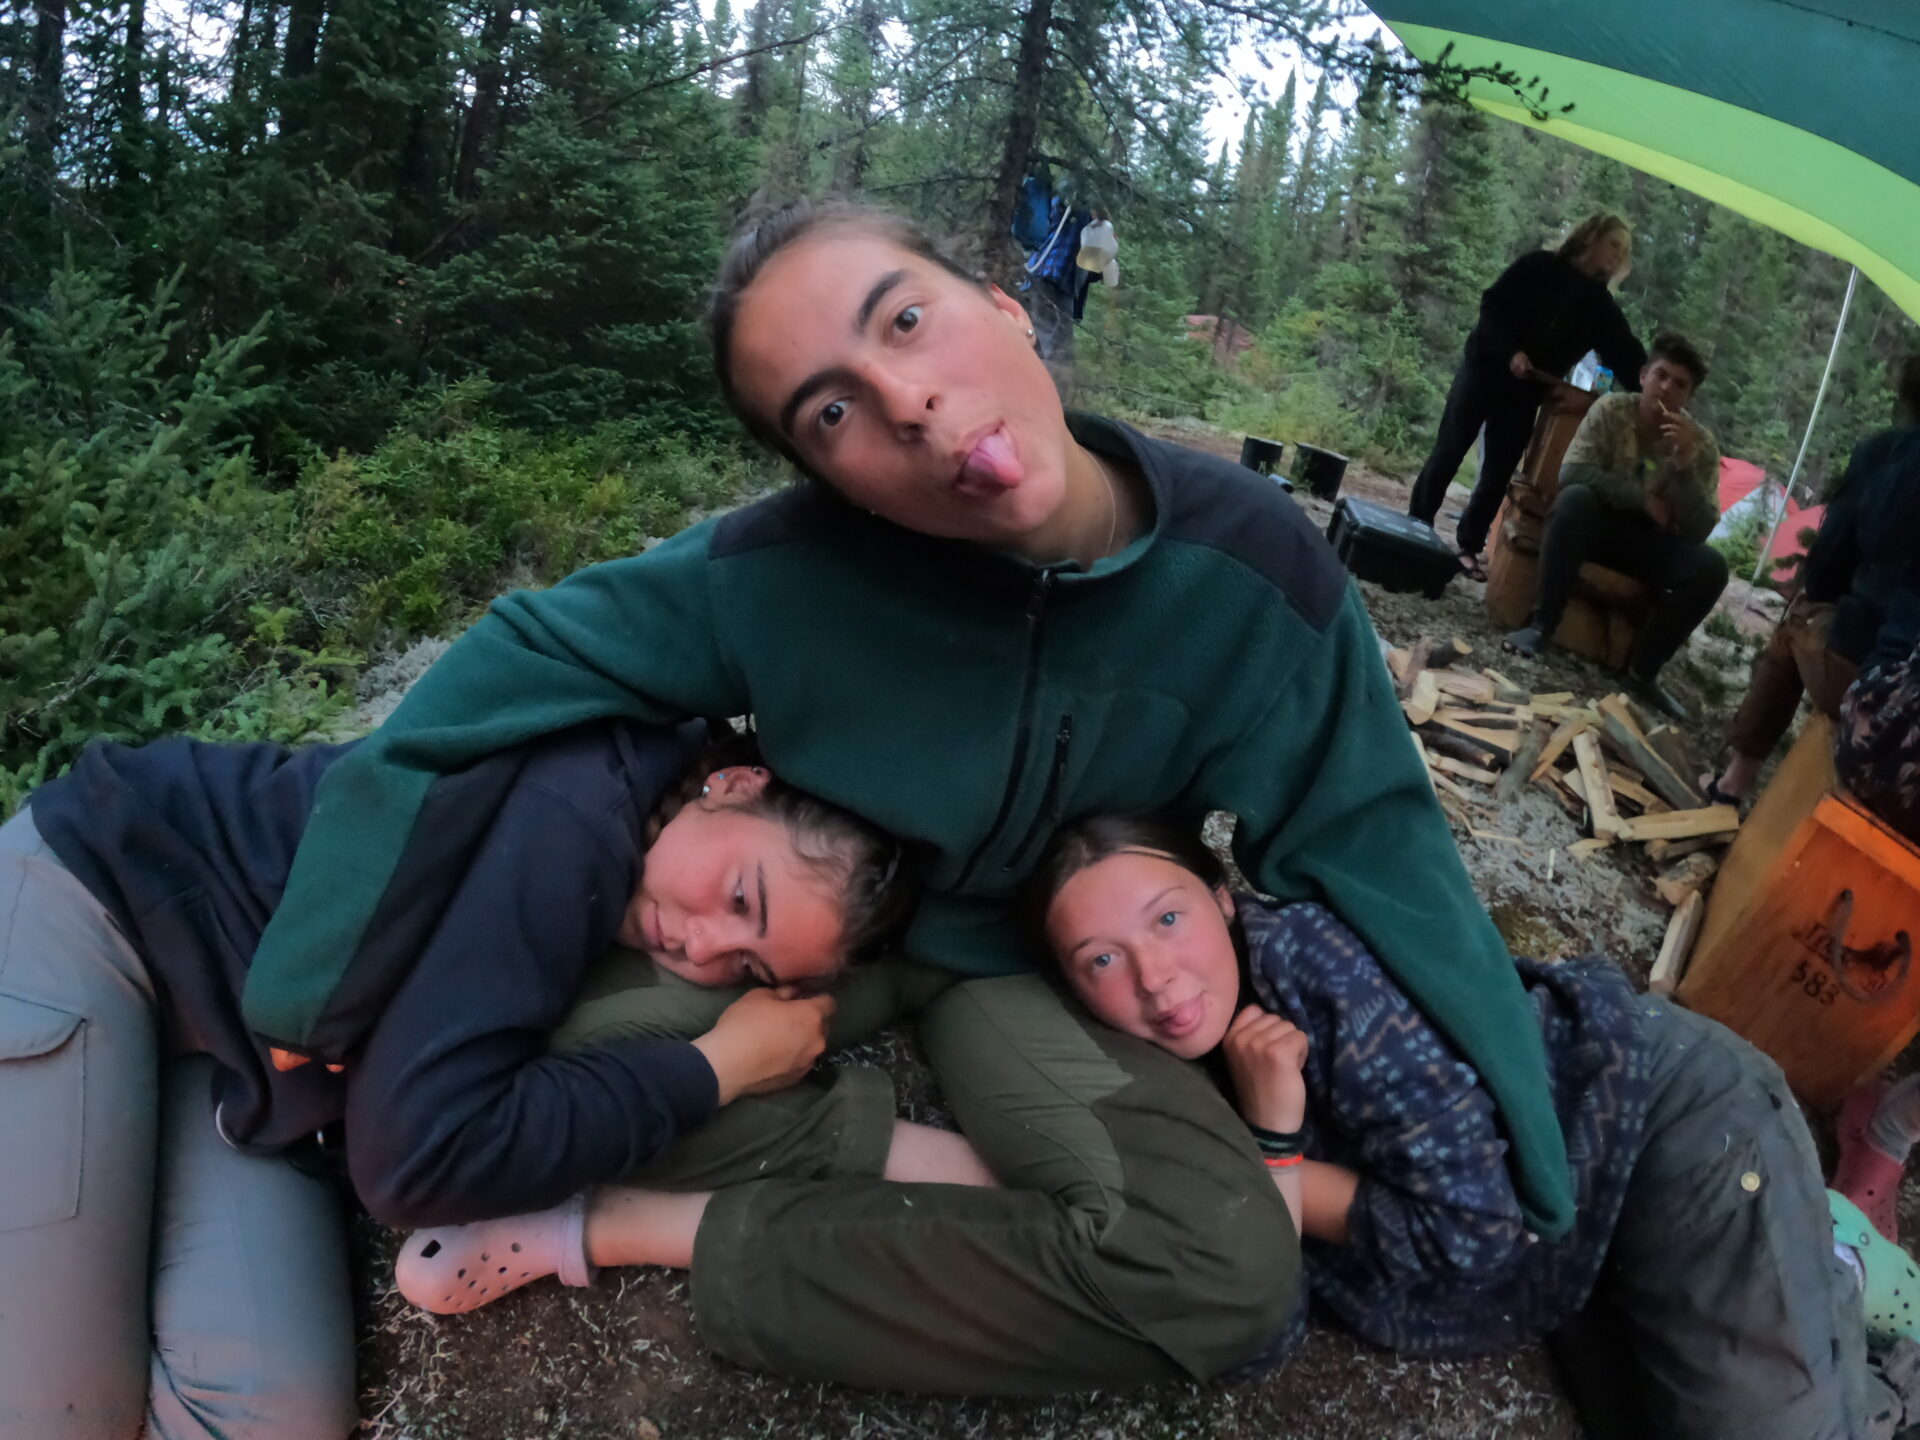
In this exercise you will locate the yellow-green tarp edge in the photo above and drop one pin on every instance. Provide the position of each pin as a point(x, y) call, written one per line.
point(1807, 187)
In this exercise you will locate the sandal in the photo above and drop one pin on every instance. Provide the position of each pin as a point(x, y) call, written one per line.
point(1471, 567)
point(451, 1269)
point(1710, 788)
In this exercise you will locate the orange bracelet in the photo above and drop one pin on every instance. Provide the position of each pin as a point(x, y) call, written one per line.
point(1282, 1162)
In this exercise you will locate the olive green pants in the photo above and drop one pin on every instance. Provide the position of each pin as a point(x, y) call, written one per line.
point(1138, 1238)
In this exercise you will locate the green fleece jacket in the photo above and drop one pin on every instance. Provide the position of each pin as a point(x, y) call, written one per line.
point(971, 702)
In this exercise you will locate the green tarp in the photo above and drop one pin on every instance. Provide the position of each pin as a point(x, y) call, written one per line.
point(1801, 114)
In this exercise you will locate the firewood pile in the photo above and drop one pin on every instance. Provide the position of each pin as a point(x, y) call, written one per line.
point(1624, 776)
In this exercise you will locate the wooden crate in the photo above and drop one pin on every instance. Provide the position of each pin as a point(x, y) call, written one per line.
point(1807, 948)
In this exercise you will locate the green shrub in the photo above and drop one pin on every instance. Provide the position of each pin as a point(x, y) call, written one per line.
point(453, 507)
point(153, 581)
point(1740, 546)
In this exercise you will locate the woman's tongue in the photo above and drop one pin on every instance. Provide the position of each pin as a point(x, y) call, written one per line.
point(991, 467)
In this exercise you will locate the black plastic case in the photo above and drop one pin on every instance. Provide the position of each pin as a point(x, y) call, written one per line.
point(1390, 549)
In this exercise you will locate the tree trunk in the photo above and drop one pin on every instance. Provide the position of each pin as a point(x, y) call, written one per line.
point(850, 164)
point(294, 93)
point(129, 144)
point(304, 19)
point(45, 94)
point(240, 81)
point(487, 81)
point(1023, 123)
point(756, 92)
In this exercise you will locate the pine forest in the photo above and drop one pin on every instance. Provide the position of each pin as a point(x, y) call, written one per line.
point(327, 320)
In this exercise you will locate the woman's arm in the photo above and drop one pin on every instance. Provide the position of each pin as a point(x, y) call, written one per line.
point(1328, 1192)
point(456, 1110)
point(1265, 1055)
point(1427, 1192)
point(1334, 806)
point(632, 637)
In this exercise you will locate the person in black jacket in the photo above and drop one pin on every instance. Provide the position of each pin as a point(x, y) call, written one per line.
point(1545, 311)
point(1869, 541)
point(146, 1131)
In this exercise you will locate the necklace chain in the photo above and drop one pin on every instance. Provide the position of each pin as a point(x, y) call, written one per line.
point(1113, 504)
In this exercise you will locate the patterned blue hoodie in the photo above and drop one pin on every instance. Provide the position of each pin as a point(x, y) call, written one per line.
point(1439, 1258)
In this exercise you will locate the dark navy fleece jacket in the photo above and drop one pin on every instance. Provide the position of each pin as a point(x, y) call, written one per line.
point(455, 1111)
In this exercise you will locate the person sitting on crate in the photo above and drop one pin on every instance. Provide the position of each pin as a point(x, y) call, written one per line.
point(1545, 311)
point(1849, 576)
point(1639, 493)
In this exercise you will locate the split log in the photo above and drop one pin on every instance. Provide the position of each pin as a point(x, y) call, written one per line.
point(1583, 849)
point(1486, 719)
point(1521, 766)
point(1682, 824)
point(1460, 748)
point(1643, 718)
point(1439, 782)
point(1661, 851)
point(1674, 788)
point(1671, 746)
point(1688, 877)
point(1556, 786)
point(1477, 689)
point(1674, 949)
point(1593, 771)
point(1548, 710)
point(1449, 652)
point(1407, 665)
point(1450, 766)
point(1501, 743)
point(1628, 789)
point(1562, 737)
point(1616, 706)
point(1423, 700)
point(1505, 689)
point(1622, 790)
point(1617, 766)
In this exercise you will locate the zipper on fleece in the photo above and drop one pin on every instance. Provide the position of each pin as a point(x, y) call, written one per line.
point(1023, 734)
point(1049, 813)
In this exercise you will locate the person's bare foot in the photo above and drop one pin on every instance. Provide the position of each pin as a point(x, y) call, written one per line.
point(1733, 784)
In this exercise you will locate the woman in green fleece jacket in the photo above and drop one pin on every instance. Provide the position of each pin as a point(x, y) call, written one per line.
point(979, 619)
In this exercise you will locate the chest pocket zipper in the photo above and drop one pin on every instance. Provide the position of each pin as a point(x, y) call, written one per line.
point(1048, 815)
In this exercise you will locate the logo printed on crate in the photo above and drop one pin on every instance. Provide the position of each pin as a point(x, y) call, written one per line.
point(1869, 974)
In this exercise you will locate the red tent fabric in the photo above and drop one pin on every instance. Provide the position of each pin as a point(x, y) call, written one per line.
point(1738, 479)
point(1786, 540)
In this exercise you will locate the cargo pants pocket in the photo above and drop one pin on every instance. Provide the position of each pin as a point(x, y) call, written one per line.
point(42, 1099)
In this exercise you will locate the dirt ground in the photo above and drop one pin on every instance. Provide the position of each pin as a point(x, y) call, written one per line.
point(624, 1359)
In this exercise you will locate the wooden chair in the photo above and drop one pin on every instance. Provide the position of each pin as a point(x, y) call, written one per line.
point(1807, 946)
point(1606, 608)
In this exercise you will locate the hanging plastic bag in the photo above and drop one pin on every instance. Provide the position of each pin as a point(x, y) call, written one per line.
point(1098, 248)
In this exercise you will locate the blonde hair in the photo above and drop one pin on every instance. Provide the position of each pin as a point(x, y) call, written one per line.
point(1593, 228)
